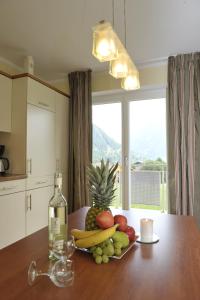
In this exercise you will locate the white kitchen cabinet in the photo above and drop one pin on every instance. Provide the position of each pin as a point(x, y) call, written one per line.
point(40, 142)
point(62, 134)
point(5, 103)
point(12, 212)
point(37, 201)
point(40, 95)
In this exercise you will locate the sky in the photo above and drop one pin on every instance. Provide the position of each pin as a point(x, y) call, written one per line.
point(108, 118)
point(143, 114)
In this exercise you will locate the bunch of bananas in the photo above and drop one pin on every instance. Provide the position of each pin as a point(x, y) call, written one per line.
point(87, 239)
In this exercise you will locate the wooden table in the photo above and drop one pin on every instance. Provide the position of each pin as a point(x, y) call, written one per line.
point(168, 270)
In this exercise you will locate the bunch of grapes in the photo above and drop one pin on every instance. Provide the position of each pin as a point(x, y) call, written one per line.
point(103, 251)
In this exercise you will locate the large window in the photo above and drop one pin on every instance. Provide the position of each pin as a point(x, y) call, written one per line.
point(133, 132)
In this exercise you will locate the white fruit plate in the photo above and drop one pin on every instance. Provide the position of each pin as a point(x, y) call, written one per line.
point(124, 251)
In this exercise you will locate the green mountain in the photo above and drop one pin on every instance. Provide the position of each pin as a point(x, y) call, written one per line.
point(104, 146)
point(144, 146)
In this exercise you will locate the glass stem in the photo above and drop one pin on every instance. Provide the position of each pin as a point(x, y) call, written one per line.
point(40, 273)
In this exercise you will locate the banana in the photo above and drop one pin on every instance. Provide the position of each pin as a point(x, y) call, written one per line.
point(81, 234)
point(97, 238)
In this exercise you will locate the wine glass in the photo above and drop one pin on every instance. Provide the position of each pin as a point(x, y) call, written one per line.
point(67, 251)
point(61, 273)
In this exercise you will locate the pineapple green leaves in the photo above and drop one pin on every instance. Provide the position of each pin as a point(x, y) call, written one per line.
point(101, 184)
point(102, 189)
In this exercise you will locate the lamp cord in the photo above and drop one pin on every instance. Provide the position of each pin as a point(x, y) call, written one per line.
point(113, 13)
point(125, 23)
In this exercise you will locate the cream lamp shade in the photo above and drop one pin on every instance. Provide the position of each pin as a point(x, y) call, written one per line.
point(104, 42)
point(120, 66)
point(131, 81)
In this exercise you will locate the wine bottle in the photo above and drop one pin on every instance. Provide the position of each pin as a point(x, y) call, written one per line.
point(58, 218)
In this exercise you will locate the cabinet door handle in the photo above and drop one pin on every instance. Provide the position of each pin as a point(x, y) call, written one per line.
point(29, 164)
point(5, 188)
point(43, 104)
point(41, 182)
point(29, 202)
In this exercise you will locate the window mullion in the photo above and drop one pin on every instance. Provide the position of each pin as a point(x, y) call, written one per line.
point(125, 155)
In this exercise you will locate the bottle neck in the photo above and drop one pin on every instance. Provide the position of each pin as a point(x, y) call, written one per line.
point(58, 189)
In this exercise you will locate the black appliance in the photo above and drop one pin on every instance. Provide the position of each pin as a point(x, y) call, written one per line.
point(4, 162)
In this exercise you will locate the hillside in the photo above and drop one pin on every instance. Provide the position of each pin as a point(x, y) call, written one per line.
point(104, 146)
point(148, 145)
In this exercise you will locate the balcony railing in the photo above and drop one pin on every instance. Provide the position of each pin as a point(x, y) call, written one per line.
point(148, 188)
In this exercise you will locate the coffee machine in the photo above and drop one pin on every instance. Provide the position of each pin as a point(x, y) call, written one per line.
point(4, 162)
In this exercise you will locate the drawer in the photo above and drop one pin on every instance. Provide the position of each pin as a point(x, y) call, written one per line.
point(13, 186)
point(40, 95)
point(37, 182)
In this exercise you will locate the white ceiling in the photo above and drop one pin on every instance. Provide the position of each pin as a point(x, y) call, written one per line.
point(57, 33)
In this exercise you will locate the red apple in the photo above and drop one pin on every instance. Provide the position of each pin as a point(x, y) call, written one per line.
point(105, 219)
point(130, 231)
point(122, 221)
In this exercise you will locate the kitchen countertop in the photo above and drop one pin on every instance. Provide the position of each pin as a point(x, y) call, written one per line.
point(167, 270)
point(8, 177)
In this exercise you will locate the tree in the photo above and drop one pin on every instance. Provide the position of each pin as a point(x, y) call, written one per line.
point(151, 165)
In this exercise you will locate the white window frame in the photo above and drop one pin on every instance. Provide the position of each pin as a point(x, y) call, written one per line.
point(124, 97)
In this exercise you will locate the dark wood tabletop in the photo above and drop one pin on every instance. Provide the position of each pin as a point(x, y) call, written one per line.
point(168, 270)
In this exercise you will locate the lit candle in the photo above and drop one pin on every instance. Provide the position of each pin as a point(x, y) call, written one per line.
point(146, 230)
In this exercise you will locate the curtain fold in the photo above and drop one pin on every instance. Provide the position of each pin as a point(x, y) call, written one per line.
point(80, 138)
point(183, 114)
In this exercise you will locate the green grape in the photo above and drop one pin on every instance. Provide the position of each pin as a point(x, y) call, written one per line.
point(118, 251)
point(105, 250)
point(108, 242)
point(92, 249)
point(105, 259)
point(98, 259)
point(118, 245)
point(94, 254)
point(98, 251)
point(108, 250)
point(102, 245)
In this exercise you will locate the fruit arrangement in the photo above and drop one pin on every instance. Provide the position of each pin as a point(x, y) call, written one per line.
point(109, 240)
point(104, 235)
point(102, 244)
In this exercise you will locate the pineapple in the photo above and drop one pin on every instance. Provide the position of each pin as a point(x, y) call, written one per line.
point(101, 188)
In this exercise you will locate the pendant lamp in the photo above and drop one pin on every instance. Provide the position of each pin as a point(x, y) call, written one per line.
point(104, 42)
point(108, 47)
point(119, 67)
point(131, 81)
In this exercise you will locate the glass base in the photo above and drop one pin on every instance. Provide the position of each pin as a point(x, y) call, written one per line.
point(32, 273)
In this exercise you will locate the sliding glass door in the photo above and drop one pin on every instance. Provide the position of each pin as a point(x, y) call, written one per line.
point(148, 158)
point(133, 132)
point(107, 139)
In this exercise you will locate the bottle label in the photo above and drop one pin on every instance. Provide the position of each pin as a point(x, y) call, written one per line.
point(55, 225)
point(58, 245)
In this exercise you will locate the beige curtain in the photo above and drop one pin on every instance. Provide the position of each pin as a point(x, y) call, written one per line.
point(184, 134)
point(80, 138)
